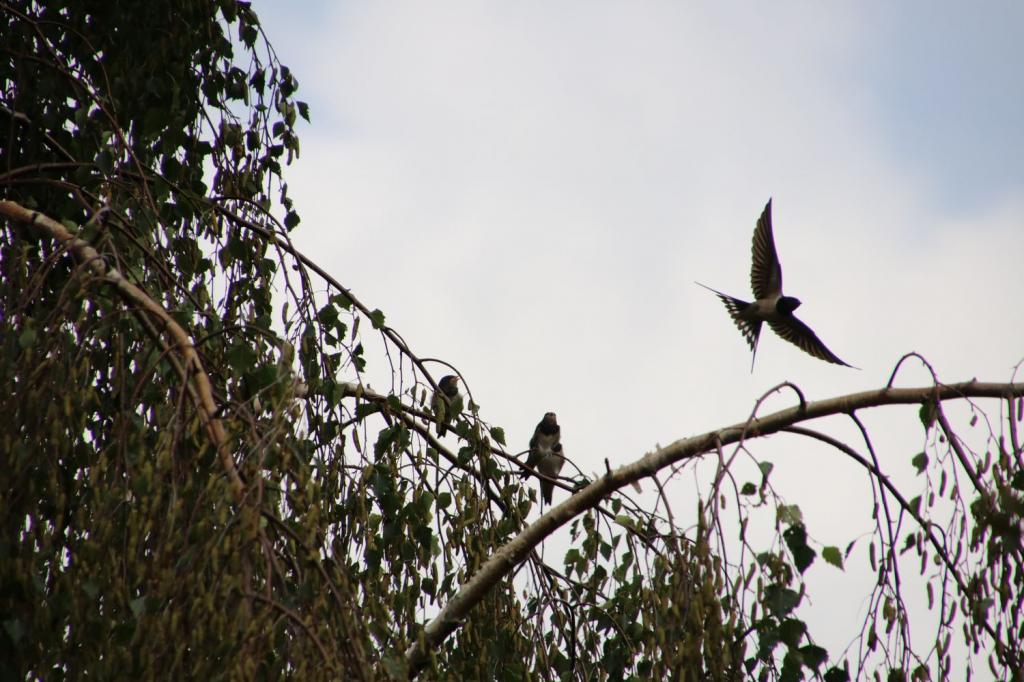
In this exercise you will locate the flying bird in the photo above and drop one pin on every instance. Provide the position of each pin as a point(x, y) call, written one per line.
point(770, 304)
point(546, 454)
point(446, 402)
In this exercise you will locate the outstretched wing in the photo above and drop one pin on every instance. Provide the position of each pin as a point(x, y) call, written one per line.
point(765, 270)
point(800, 335)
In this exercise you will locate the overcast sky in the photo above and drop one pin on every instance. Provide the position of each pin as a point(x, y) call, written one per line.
point(529, 190)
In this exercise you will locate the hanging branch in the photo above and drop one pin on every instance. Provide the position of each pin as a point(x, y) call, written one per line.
point(199, 381)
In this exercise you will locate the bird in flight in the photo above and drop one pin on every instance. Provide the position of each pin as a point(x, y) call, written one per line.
point(770, 304)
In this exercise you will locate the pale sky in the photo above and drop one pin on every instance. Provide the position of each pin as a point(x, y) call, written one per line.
point(529, 190)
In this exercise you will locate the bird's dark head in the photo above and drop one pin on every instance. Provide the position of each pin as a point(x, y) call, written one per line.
point(787, 304)
point(449, 384)
point(550, 419)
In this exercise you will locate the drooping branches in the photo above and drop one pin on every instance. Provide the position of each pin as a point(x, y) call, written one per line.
point(505, 559)
point(192, 373)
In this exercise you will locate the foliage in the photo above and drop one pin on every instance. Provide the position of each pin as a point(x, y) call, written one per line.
point(252, 509)
point(155, 131)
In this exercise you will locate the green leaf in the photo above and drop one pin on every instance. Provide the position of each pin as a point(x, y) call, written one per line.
point(791, 631)
point(813, 655)
point(792, 668)
point(1018, 479)
point(790, 514)
point(837, 675)
point(138, 606)
point(766, 468)
point(258, 380)
point(748, 489)
point(327, 315)
point(796, 539)
point(291, 220)
point(780, 600)
point(768, 639)
point(625, 521)
point(896, 675)
point(928, 413)
point(920, 461)
point(423, 535)
point(498, 434)
point(832, 556)
point(377, 318)
point(27, 337)
point(357, 357)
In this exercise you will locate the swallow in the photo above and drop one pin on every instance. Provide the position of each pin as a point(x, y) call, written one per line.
point(550, 466)
point(546, 455)
point(770, 304)
point(446, 402)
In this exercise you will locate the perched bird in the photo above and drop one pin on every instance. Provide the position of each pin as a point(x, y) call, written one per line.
point(770, 304)
point(546, 455)
point(446, 402)
point(550, 466)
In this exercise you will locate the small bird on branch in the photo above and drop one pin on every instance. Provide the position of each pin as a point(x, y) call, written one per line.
point(446, 403)
point(546, 454)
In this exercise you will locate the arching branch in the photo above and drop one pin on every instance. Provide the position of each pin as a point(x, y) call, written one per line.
point(198, 378)
point(505, 559)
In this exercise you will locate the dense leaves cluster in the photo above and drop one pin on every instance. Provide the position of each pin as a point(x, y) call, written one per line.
point(154, 131)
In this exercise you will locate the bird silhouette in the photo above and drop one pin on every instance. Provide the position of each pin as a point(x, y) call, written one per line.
point(446, 402)
point(770, 304)
point(546, 454)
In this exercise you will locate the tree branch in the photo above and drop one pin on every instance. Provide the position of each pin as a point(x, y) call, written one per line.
point(505, 559)
point(87, 255)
